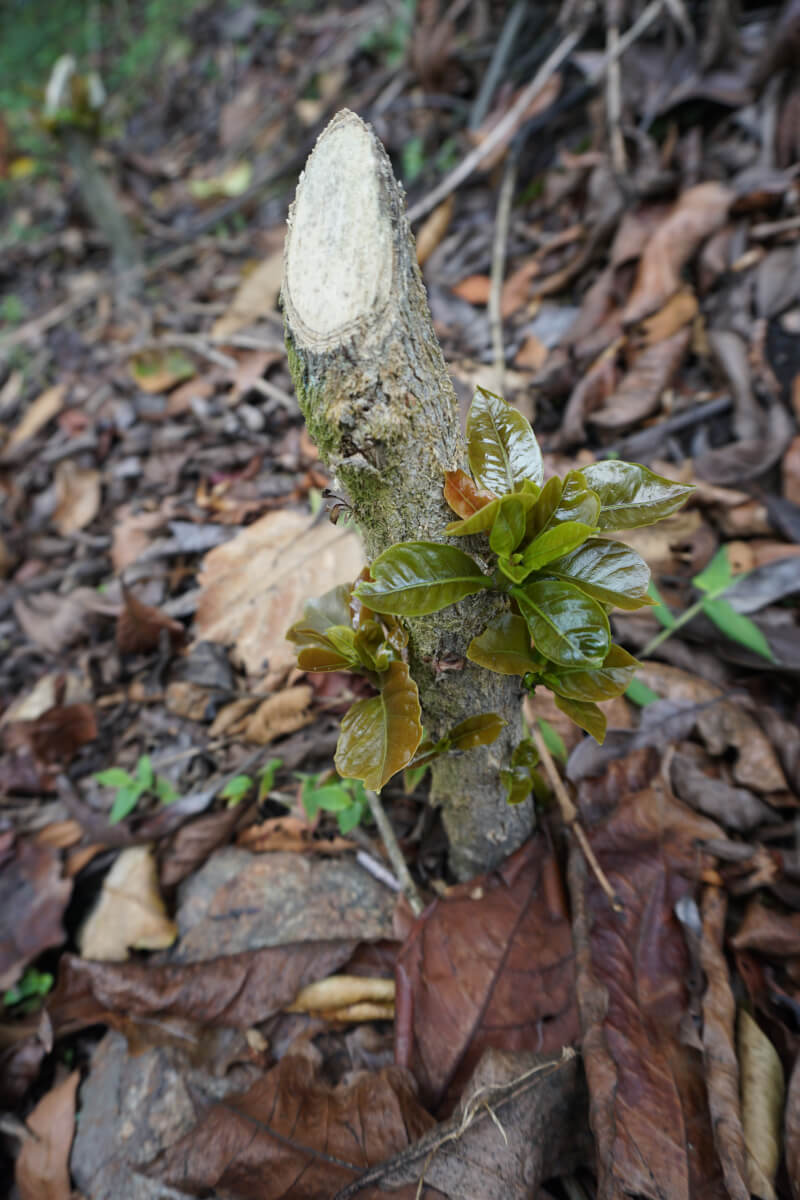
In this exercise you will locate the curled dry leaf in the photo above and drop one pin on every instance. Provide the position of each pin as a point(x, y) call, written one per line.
point(699, 212)
point(762, 1105)
point(768, 931)
point(42, 1168)
point(639, 394)
point(133, 532)
point(139, 626)
point(36, 416)
point(77, 497)
point(280, 714)
point(129, 914)
point(33, 896)
point(342, 991)
point(460, 973)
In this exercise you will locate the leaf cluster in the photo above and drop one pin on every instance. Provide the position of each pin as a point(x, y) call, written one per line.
point(344, 798)
point(131, 788)
point(550, 552)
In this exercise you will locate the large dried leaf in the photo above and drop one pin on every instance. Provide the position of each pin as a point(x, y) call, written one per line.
point(379, 736)
point(413, 578)
point(33, 897)
point(38, 414)
point(255, 586)
point(566, 625)
point(699, 212)
point(291, 1134)
point(502, 447)
point(639, 394)
point(129, 914)
point(78, 491)
point(489, 965)
point(762, 1105)
point(42, 1169)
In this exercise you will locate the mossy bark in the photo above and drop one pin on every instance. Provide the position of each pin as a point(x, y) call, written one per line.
point(373, 387)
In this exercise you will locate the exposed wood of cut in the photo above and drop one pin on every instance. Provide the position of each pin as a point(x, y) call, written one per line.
point(377, 399)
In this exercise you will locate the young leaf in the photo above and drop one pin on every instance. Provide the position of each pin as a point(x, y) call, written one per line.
point(480, 730)
point(578, 502)
point(567, 626)
point(554, 543)
point(236, 789)
point(519, 777)
point(124, 803)
point(319, 614)
point(717, 576)
point(144, 772)
point(586, 714)
point(502, 447)
point(505, 647)
point(607, 570)
point(349, 818)
point(166, 793)
point(380, 736)
point(332, 798)
point(114, 777)
point(737, 626)
point(639, 693)
point(508, 529)
point(463, 494)
point(374, 651)
point(266, 777)
point(320, 658)
point(631, 495)
point(545, 508)
point(603, 683)
point(485, 518)
point(413, 578)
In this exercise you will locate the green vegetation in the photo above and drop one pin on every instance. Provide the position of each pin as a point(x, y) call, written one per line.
point(344, 798)
point(238, 787)
point(26, 995)
point(130, 788)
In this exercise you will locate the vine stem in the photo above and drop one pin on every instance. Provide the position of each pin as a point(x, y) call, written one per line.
point(395, 853)
point(569, 815)
point(683, 619)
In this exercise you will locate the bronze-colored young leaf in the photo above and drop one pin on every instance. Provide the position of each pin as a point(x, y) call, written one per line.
point(545, 508)
point(521, 775)
point(553, 543)
point(463, 494)
point(608, 570)
point(319, 614)
point(508, 529)
point(632, 495)
point(578, 502)
point(501, 444)
point(379, 737)
point(413, 578)
point(505, 647)
point(485, 518)
point(374, 650)
point(320, 658)
point(586, 714)
point(567, 626)
point(480, 730)
point(602, 683)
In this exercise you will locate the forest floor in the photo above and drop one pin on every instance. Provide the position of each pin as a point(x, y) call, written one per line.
point(616, 250)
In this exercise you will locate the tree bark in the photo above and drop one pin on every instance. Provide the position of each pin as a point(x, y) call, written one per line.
point(378, 402)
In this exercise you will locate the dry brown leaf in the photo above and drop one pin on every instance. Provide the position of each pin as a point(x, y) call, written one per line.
point(77, 497)
point(139, 626)
point(342, 991)
point(34, 896)
point(699, 212)
point(791, 1130)
point(434, 229)
point(133, 533)
point(36, 416)
point(790, 472)
point(516, 288)
point(658, 544)
point(282, 713)
point(251, 368)
point(42, 1168)
point(532, 353)
point(130, 913)
point(256, 296)
point(254, 586)
point(54, 621)
point(289, 833)
point(474, 289)
point(160, 370)
point(768, 931)
point(639, 394)
point(678, 311)
point(762, 1105)
point(538, 103)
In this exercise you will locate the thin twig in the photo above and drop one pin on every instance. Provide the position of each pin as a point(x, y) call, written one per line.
point(499, 267)
point(377, 870)
point(614, 99)
point(497, 65)
point(569, 815)
point(395, 853)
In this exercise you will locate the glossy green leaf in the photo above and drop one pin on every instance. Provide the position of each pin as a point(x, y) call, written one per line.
point(607, 570)
point(518, 778)
point(737, 626)
point(717, 576)
point(380, 736)
point(508, 529)
point(319, 614)
point(413, 578)
point(505, 647)
point(485, 518)
point(554, 543)
point(578, 502)
point(501, 444)
point(463, 494)
point(602, 683)
point(586, 714)
point(632, 495)
point(321, 658)
point(660, 611)
point(480, 730)
point(639, 693)
point(566, 625)
point(545, 508)
point(375, 651)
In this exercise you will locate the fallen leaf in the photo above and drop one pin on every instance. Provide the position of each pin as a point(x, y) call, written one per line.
point(735, 808)
point(699, 212)
point(326, 996)
point(129, 914)
point(790, 472)
point(42, 1168)
point(162, 369)
point(762, 1105)
point(254, 586)
point(33, 897)
point(38, 414)
point(132, 533)
point(293, 1134)
point(488, 965)
point(678, 311)
point(433, 229)
point(532, 353)
point(740, 461)
point(791, 1130)
point(768, 931)
point(540, 101)
point(730, 352)
point(139, 626)
point(77, 497)
point(289, 833)
point(639, 394)
point(55, 622)
point(256, 296)
point(280, 714)
point(474, 289)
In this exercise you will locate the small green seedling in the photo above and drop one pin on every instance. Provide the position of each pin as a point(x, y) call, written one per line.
point(27, 995)
point(238, 787)
point(345, 798)
point(131, 788)
point(713, 581)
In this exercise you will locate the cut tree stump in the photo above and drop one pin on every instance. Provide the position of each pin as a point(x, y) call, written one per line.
point(378, 402)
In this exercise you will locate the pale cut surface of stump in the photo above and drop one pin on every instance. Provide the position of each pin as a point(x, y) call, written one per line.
point(377, 399)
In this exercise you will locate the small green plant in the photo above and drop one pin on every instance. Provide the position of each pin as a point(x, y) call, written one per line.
point(345, 798)
point(238, 787)
point(26, 995)
point(12, 310)
point(545, 547)
point(131, 788)
point(713, 581)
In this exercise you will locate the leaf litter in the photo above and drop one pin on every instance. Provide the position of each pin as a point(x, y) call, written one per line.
point(161, 527)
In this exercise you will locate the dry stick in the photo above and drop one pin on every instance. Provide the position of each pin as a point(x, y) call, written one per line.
point(614, 99)
point(569, 815)
point(395, 853)
point(499, 267)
